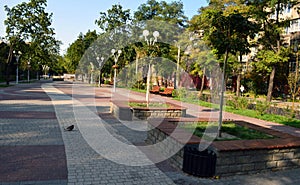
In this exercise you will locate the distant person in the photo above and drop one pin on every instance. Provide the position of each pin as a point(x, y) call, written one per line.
point(242, 88)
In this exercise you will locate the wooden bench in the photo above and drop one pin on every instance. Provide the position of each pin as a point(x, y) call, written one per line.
point(155, 89)
point(167, 92)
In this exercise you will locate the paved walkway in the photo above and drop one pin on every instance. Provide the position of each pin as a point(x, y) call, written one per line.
point(35, 149)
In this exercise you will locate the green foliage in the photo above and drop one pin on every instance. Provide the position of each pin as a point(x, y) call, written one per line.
point(170, 12)
point(77, 49)
point(267, 15)
point(4, 50)
point(238, 102)
point(113, 18)
point(267, 59)
point(29, 21)
point(181, 92)
point(290, 112)
point(261, 107)
point(293, 80)
point(106, 82)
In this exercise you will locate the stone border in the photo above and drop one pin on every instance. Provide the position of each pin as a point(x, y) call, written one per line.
point(123, 111)
point(236, 156)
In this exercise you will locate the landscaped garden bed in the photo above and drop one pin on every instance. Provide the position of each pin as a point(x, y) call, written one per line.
point(260, 109)
point(229, 130)
point(141, 110)
point(278, 151)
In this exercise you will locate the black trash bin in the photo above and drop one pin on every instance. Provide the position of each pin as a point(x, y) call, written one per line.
point(199, 163)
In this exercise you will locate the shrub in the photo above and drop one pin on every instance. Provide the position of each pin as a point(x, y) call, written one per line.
point(238, 102)
point(181, 92)
point(262, 106)
point(243, 103)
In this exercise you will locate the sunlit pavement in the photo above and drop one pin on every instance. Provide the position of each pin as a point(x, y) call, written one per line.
point(35, 149)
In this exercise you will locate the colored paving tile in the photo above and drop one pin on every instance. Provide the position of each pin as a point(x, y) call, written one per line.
point(27, 115)
point(32, 163)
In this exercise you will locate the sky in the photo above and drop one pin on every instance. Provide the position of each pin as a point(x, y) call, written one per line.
point(72, 17)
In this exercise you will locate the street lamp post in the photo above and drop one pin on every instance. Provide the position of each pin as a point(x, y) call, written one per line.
point(45, 69)
point(176, 79)
point(92, 70)
point(99, 63)
point(17, 54)
point(28, 66)
point(150, 42)
point(37, 73)
point(116, 57)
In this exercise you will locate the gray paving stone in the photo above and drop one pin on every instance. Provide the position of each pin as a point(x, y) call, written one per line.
point(82, 159)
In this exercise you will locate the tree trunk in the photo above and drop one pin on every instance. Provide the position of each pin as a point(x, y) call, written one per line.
point(238, 85)
point(271, 84)
point(239, 78)
point(8, 62)
point(272, 75)
point(202, 84)
point(223, 88)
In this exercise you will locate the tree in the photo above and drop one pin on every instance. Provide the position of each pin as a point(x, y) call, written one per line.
point(166, 18)
point(76, 50)
point(225, 29)
point(29, 22)
point(113, 18)
point(198, 54)
point(266, 13)
point(293, 80)
point(169, 12)
point(4, 50)
point(113, 24)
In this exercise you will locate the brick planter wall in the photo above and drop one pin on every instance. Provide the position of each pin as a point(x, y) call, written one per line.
point(121, 110)
point(155, 135)
point(142, 114)
point(236, 156)
point(254, 161)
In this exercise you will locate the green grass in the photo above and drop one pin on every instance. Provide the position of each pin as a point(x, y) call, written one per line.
point(267, 117)
point(198, 102)
point(250, 113)
point(138, 90)
point(240, 132)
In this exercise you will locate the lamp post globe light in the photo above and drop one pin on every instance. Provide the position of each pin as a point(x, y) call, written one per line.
point(17, 54)
point(150, 42)
point(116, 57)
point(100, 61)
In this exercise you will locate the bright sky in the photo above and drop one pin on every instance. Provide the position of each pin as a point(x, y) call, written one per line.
point(70, 17)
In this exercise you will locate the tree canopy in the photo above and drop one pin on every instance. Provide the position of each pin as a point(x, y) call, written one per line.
point(29, 22)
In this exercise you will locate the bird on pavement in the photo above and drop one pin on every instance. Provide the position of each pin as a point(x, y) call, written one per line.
point(69, 128)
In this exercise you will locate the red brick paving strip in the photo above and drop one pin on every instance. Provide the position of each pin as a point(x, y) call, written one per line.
point(32, 163)
point(27, 115)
